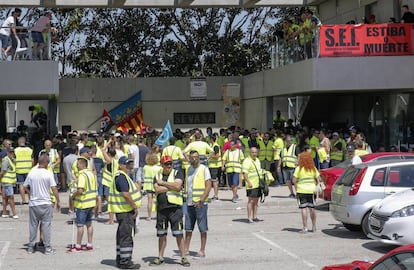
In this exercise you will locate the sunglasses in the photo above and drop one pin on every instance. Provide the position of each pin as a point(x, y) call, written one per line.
point(168, 163)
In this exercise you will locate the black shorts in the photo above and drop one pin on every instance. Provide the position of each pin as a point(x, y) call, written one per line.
point(215, 173)
point(305, 200)
point(254, 193)
point(174, 216)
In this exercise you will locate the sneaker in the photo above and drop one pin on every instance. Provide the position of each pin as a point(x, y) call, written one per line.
point(250, 221)
point(257, 220)
point(129, 266)
point(185, 262)
point(304, 230)
point(30, 250)
point(157, 261)
point(234, 200)
point(313, 228)
point(49, 251)
point(89, 247)
point(15, 216)
point(292, 196)
point(4, 216)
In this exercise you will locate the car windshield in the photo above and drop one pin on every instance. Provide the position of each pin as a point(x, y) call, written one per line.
point(401, 261)
point(347, 178)
point(343, 165)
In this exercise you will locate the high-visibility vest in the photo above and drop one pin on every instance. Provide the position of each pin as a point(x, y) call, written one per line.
point(88, 197)
point(245, 142)
point(23, 159)
point(53, 155)
point(180, 144)
point(289, 158)
point(233, 160)
point(360, 152)
point(117, 202)
point(150, 171)
point(266, 150)
point(215, 162)
point(313, 143)
point(10, 176)
point(323, 156)
point(253, 170)
point(173, 197)
point(306, 180)
point(199, 184)
point(109, 175)
point(335, 153)
point(277, 146)
point(175, 153)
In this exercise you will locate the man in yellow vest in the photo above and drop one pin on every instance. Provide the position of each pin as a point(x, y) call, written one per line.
point(8, 180)
point(231, 162)
point(54, 159)
point(214, 165)
point(252, 172)
point(24, 163)
point(174, 152)
point(198, 186)
point(200, 146)
point(277, 150)
point(337, 153)
point(168, 184)
point(266, 151)
point(124, 201)
point(85, 201)
point(288, 162)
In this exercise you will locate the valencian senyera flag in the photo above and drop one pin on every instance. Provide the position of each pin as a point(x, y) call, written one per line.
point(165, 135)
point(128, 114)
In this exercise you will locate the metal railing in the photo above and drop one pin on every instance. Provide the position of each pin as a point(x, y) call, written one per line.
point(23, 47)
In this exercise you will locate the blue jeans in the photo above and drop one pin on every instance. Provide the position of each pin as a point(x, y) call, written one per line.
point(196, 214)
point(83, 216)
point(233, 178)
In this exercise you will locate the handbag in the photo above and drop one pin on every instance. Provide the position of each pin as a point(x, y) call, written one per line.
point(319, 188)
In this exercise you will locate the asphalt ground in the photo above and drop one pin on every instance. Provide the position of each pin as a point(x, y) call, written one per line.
point(273, 243)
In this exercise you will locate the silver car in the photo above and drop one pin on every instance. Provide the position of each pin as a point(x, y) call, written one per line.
point(392, 219)
point(362, 186)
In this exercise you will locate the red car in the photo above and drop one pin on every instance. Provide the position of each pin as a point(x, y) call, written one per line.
point(401, 258)
point(330, 175)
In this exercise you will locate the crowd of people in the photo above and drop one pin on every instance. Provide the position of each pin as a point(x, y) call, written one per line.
point(113, 172)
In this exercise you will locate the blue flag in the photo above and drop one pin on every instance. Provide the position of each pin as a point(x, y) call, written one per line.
point(165, 135)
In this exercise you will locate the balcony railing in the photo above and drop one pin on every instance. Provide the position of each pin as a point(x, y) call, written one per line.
point(346, 41)
point(23, 47)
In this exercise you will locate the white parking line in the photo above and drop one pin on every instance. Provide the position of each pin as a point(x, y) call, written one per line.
point(4, 251)
point(284, 250)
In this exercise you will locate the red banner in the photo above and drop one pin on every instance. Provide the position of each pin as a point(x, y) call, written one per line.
point(366, 40)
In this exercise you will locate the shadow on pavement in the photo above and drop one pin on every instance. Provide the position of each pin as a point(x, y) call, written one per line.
point(379, 247)
point(340, 232)
point(109, 263)
point(295, 230)
point(242, 220)
point(322, 207)
point(166, 259)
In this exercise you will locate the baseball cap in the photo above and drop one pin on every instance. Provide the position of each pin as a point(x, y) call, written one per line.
point(166, 159)
point(84, 150)
point(335, 134)
point(124, 160)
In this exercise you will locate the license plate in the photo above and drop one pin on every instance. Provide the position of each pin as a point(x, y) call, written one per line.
point(374, 222)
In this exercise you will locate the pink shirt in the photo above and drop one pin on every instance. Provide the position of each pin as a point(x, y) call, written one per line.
point(41, 24)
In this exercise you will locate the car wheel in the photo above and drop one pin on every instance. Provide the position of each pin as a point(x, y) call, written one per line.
point(352, 227)
point(365, 224)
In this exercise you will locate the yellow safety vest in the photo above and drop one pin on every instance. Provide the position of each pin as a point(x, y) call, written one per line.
point(245, 142)
point(199, 184)
point(266, 150)
point(10, 176)
point(117, 202)
point(306, 180)
point(215, 162)
point(173, 197)
point(233, 160)
point(108, 176)
point(336, 154)
point(323, 156)
point(289, 158)
point(88, 197)
point(150, 171)
point(359, 152)
point(53, 155)
point(175, 153)
point(278, 146)
point(253, 170)
point(23, 159)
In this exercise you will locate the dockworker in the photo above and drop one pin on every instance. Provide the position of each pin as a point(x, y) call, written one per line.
point(174, 152)
point(124, 201)
point(24, 163)
point(252, 172)
point(200, 146)
point(231, 163)
point(8, 180)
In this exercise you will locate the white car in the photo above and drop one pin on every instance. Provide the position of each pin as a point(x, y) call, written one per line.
point(391, 220)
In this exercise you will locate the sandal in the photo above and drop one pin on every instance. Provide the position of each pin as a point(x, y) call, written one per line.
point(185, 262)
point(157, 261)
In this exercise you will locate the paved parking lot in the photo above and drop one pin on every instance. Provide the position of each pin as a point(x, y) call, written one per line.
point(274, 243)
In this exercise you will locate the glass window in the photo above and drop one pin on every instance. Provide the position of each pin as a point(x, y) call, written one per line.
point(401, 176)
point(389, 158)
point(401, 261)
point(348, 177)
point(378, 177)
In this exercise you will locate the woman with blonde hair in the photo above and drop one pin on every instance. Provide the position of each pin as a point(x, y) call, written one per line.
point(151, 169)
point(305, 178)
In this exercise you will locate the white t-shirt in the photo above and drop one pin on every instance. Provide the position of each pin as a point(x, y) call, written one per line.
point(6, 26)
point(356, 160)
point(191, 174)
point(133, 150)
point(40, 181)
